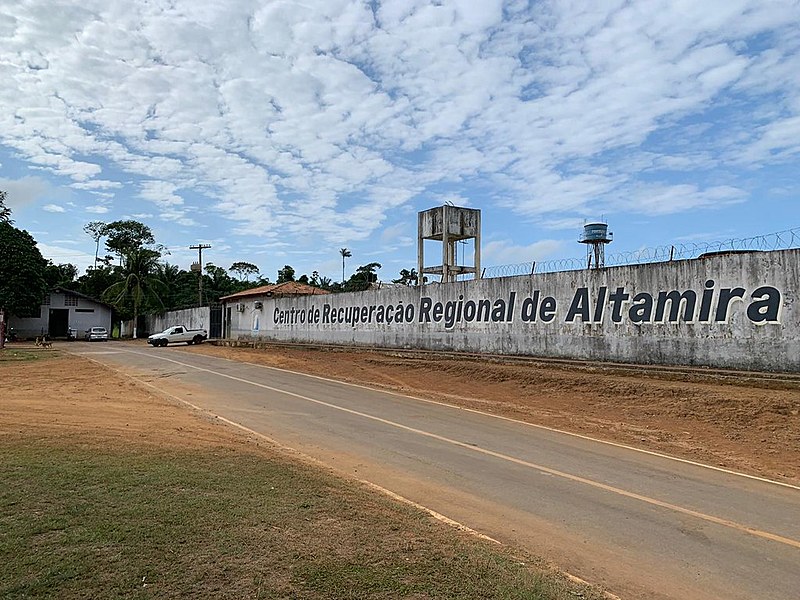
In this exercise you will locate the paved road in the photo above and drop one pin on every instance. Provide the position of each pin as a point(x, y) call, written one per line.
point(641, 525)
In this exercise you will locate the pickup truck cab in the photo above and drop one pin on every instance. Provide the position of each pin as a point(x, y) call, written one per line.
point(179, 333)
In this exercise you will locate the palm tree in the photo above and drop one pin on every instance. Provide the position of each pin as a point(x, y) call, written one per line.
point(139, 281)
point(345, 254)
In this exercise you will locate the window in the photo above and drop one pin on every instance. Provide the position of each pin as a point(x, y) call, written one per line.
point(70, 300)
point(89, 310)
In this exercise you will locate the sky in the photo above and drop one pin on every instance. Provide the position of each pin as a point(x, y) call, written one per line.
point(281, 131)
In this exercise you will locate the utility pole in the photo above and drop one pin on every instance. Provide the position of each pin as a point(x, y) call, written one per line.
point(199, 269)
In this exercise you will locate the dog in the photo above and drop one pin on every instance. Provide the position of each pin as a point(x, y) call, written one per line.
point(44, 342)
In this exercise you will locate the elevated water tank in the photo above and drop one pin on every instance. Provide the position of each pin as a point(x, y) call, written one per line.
point(596, 232)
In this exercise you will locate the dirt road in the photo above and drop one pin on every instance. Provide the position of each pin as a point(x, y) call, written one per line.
point(742, 426)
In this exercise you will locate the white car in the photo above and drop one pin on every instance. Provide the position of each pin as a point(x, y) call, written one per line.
point(96, 334)
point(178, 334)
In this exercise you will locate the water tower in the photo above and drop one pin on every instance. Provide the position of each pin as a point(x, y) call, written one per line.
point(449, 225)
point(596, 236)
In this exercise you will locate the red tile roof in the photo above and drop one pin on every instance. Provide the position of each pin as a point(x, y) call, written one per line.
point(287, 288)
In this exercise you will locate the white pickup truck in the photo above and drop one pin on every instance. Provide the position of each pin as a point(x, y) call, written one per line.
point(179, 333)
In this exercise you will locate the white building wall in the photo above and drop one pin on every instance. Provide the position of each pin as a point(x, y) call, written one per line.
point(758, 329)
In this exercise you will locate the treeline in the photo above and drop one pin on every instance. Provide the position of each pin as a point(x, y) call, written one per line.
point(134, 274)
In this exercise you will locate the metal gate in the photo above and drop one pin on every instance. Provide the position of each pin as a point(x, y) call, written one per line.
point(215, 322)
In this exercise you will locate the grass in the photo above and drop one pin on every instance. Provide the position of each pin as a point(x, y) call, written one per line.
point(82, 519)
point(12, 355)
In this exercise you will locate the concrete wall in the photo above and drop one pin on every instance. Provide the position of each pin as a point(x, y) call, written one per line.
point(746, 314)
point(192, 318)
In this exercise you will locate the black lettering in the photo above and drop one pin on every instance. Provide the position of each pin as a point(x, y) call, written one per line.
point(548, 310)
point(484, 308)
point(642, 309)
point(675, 298)
point(766, 307)
point(326, 313)
point(438, 311)
point(499, 311)
point(529, 308)
point(705, 303)
point(617, 299)
point(512, 298)
point(409, 313)
point(449, 314)
point(399, 313)
point(579, 306)
point(425, 310)
point(601, 304)
point(470, 308)
point(726, 296)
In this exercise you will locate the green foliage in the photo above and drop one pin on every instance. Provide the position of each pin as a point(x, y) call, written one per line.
point(22, 271)
point(285, 274)
point(345, 252)
point(60, 275)
point(362, 278)
point(96, 281)
point(217, 283)
point(95, 229)
point(407, 277)
point(243, 270)
point(138, 285)
point(123, 237)
point(5, 212)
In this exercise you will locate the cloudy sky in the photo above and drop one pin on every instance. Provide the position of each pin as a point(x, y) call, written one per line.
point(280, 131)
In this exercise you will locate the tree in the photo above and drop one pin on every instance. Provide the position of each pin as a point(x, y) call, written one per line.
point(96, 230)
point(244, 270)
point(217, 283)
point(139, 283)
point(285, 274)
point(407, 277)
point(345, 254)
point(123, 237)
point(22, 269)
point(362, 278)
point(5, 212)
point(60, 275)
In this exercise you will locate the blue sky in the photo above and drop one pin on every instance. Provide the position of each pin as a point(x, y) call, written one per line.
point(281, 131)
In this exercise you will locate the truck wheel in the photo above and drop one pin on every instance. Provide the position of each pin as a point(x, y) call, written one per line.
point(163, 343)
point(198, 339)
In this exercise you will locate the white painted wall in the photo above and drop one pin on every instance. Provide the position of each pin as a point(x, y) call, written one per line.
point(760, 330)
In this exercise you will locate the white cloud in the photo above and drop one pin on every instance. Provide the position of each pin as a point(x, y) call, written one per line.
point(53, 208)
point(322, 118)
point(504, 252)
point(24, 191)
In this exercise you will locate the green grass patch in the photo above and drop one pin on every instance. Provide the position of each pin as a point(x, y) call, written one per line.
point(89, 522)
point(13, 355)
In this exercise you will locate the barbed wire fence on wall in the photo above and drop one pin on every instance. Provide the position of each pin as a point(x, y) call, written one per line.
point(781, 240)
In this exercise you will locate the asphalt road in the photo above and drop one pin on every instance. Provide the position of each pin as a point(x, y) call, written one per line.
point(641, 525)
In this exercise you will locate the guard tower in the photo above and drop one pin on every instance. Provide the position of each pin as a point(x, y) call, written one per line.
point(596, 236)
point(448, 224)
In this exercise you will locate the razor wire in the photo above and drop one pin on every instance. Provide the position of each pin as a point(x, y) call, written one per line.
point(781, 240)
